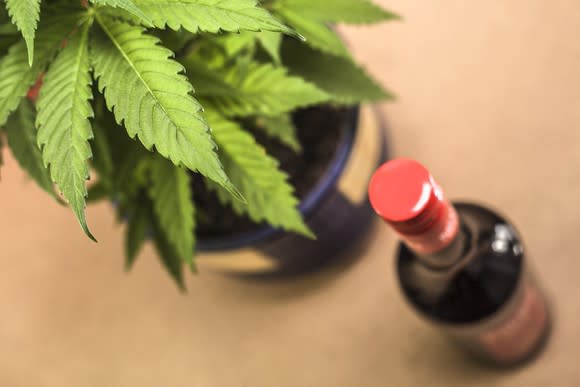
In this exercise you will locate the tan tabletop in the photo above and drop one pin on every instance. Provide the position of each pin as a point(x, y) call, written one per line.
point(489, 98)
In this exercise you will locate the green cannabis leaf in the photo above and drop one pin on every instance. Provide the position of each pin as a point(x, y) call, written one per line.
point(282, 128)
point(63, 121)
point(138, 227)
point(312, 19)
point(236, 44)
point(127, 5)
point(340, 77)
point(244, 43)
point(22, 140)
point(346, 11)
point(121, 162)
point(16, 76)
point(318, 34)
point(271, 42)
point(211, 15)
point(25, 14)
point(209, 81)
point(171, 195)
point(143, 131)
point(102, 157)
point(169, 257)
point(256, 89)
point(146, 90)
point(269, 195)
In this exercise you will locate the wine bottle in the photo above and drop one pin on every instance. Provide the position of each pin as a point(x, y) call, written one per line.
point(461, 266)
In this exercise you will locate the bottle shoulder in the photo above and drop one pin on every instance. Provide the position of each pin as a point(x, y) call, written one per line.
point(480, 283)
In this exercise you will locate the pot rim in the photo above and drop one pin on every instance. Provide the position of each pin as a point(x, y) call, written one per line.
point(321, 191)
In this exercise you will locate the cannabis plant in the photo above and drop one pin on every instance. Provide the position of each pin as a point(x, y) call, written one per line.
point(105, 89)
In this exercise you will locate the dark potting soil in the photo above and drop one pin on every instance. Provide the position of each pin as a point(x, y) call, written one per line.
point(319, 131)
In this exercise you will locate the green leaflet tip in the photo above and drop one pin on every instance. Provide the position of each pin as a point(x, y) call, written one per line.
point(393, 16)
point(91, 237)
point(300, 37)
point(295, 147)
point(182, 287)
point(388, 95)
point(291, 32)
point(233, 190)
point(85, 228)
point(179, 281)
point(308, 233)
point(30, 49)
point(129, 262)
point(302, 229)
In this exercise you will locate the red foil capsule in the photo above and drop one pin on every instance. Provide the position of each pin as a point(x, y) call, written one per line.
point(406, 196)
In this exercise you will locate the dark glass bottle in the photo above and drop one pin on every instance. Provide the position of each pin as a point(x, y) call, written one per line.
point(462, 266)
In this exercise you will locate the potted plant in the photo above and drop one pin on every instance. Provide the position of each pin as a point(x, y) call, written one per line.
point(104, 89)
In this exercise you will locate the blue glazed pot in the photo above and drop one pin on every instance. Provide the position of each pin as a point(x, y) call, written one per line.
point(337, 210)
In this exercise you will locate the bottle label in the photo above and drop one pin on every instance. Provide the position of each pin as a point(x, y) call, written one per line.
point(519, 333)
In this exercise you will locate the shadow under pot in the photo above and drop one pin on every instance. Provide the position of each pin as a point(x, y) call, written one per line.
point(341, 150)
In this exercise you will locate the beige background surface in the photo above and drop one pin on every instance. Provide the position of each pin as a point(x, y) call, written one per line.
point(489, 97)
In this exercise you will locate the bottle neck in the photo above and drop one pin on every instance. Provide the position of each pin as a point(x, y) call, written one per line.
point(448, 256)
point(442, 245)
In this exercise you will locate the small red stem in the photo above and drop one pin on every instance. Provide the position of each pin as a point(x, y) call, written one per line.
point(35, 90)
